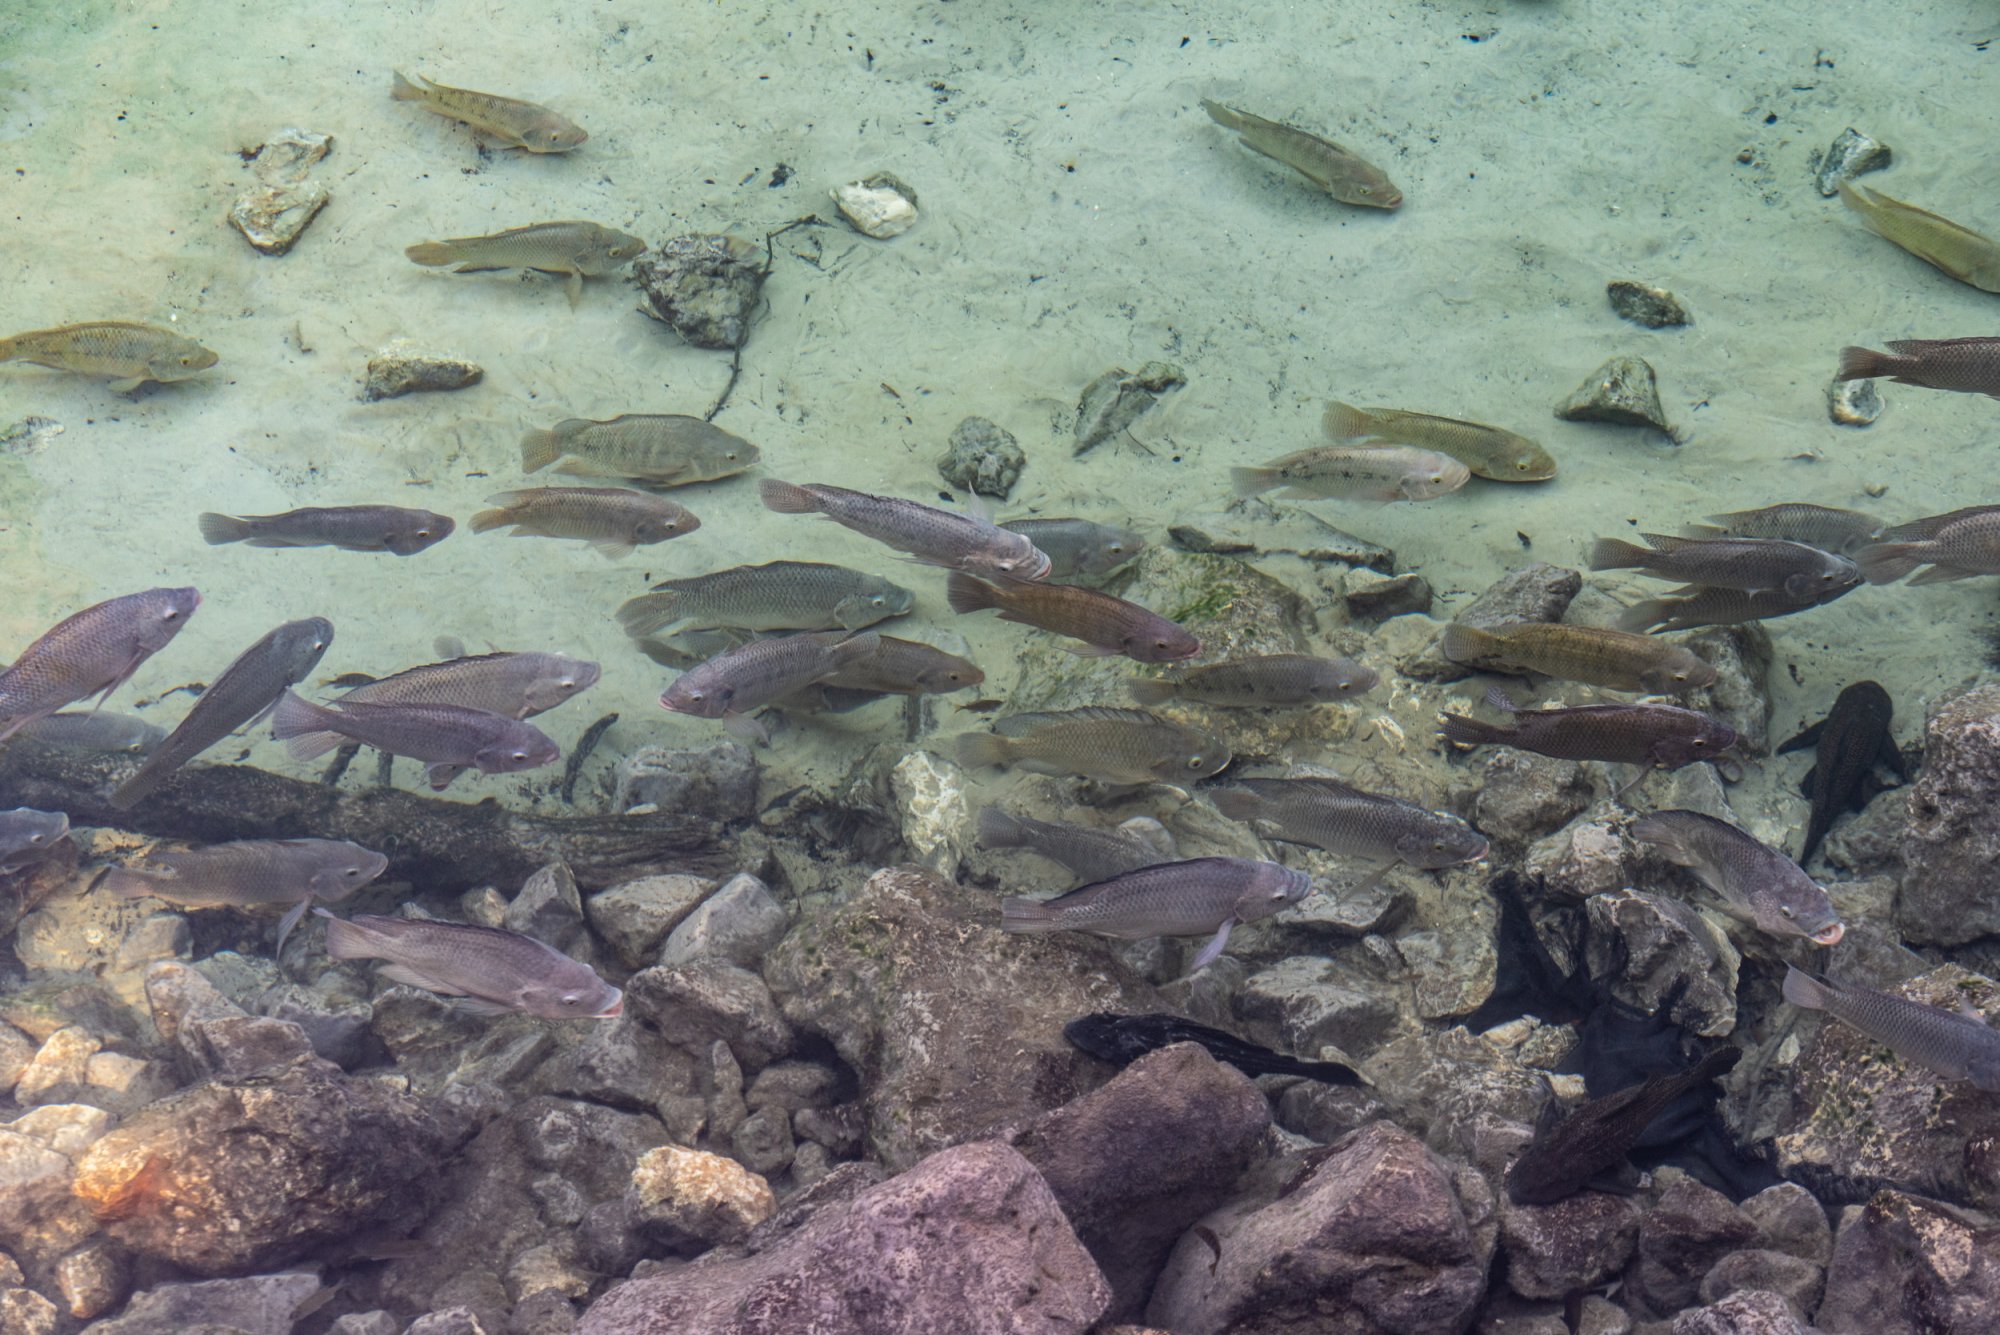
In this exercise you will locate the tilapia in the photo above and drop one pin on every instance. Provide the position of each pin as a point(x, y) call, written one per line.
point(1957, 250)
point(1489, 451)
point(1105, 624)
point(1079, 547)
point(91, 652)
point(899, 667)
point(1123, 1039)
point(1756, 884)
point(27, 836)
point(1375, 827)
point(448, 739)
point(1967, 365)
point(1192, 898)
point(1356, 473)
point(1957, 1047)
point(1593, 655)
point(96, 733)
point(779, 595)
point(518, 685)
point(352, 528)
point(577, 249)
point(1843, 532)
point(513, 122)
point(1093, 854)
point(1111, 745)
point(1696, 606)
point(1343, 174)
point(1655, 736)
point(1753, 565)
point(299, 872)
point(611, 519)
point(658, 449)
point(129, 355)
point(1955, 546)
point(735, 682)
point(930, 535)
point(495, 971)
point(1847, 745)
point(1261, 682)
point(249, 686)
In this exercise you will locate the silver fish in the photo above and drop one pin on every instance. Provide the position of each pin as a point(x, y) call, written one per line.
point(247, 687)
point(658, 449)
point(1726, 607)
point(1753, 565)
point(779, 595)
point(495, 971)
point(1079, 547)
point(518, 685)
point(736, 681)
point(1093, 854)
point(1843, 532)
point(299, 872)
point(352, 528)
point(27, 836)
point(1757, 884)
point(1126, 746)
point(930, 535)
point(614, 520)
point(1192, 898)
point(1261, 682)
point(1957, 1047)
point(447, 738)
point(95, 733)
point(1955, 546)
point(1376, 827)
point(90, 653)
point(901, 667)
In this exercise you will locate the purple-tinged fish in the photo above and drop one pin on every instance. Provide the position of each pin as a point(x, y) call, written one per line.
point(94, 733)
point(1079, 547)
point(1957, 1047)
point(1107, 625)
point(448, 739)
point(901, 667)
point(1958, 545)
point(1261, 681)
point(299, 872)
point(1754, 565)
point(1967, 365)
point(614, 520)
point(1093, 854)
point(495, 971)
point(92, 652)
point(1192, 898)
point(1328, 814)
point(1695, 606)
point(518, 685)
point(737, 681)
point(27, 836)
point(1656, 736)
point(930, 535)
point(1756, 884)
point(353, 528)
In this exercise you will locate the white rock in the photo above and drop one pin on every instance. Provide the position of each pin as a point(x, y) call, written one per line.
point(879, 206)
point(936, 817)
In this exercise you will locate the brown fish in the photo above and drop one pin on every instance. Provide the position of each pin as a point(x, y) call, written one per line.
point(1345, 175)
point(737, 681)
point(658, 449)
point(494, 970)
point(91, 652)
point(1112, 745)
point(1754, 565)
point(1955, 546)
point(515, 123)
point(1489, 451)
point(1843, 532)
point(578, 250)
point(1107, 625)
point(1655, 736)
point(128, 354)
point(611, 519)
point(1966, 365)
point(1957, 250)
point(902, 667)
point(1357, 473)
point(448, 739)
point(1591, 654)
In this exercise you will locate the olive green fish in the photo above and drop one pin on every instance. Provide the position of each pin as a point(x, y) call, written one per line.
point(515, 123)
point(1490, 452)
point(127, 354)
point(659, 449)
point(611, 519)
point(577, 249)
point(1113, 745)
point(1593, 655)
point(1341, 173)
point(1959, 251)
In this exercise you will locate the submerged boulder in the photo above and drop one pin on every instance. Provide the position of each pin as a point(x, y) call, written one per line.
point(1951, 845)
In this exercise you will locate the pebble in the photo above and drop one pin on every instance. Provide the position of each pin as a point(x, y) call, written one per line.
point(1623, 391)
point(1852, 154)
point(705, 285)
point(1642, 303)
point(879, 206)
point(696, 1197)
point(401, 368)
point(983, 457)
point(30, 435)
point(1118, 398)
point(274, 213)
point(1380, 599)
point(1853, 402)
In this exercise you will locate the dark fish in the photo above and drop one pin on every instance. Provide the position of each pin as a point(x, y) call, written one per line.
point(1756, 884)
point(1587, 1148)
point(352, 528)
point(90, 653)
point(1329, 814)
point(1261, 681)
point(494, 970)
point(930, 535)
point(901, 667)
point(1093, 854)
point(1526, 978)
point(1191, 898)
point(1955, 546)
point(1078, 547)
point(737, 681)
point(1848, 744)
point(1843, 532)
point(96, 733)
point(1957, 1047)
point(299, 872)
point(1692, 606)
point(448, 739)
point(1593, 655)
point(1754, 565)
point(614, 520)
point(1967, 365)
point(1123, 1039)
point(1095, 742)
point(779, 595)
point(27, 836)
point(1107, 625)
point(1656, 736)
point(246, 688)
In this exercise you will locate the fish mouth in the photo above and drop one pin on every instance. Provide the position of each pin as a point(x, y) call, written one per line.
point(1829, 935)
point(613, 1011)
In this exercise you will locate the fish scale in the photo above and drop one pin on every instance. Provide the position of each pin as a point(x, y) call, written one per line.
point(1957, 1047)
point(1594, 655)
point(779, 595)
point(658, 449)
point(1095, 855)
point(1662, 735)
point(1758, 884)
point(496, 969)
point(90, 652)
point(1831, 530)
point(1191, 898)
point(1328, 814)
point(933, 536)
point(1097, 742)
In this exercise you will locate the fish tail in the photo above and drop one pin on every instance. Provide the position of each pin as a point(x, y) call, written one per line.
point(431, 254)
point(1468, 731)
point(997, 829)
point(1613, 554)
point(127, 883)
point(1717, 1063)
point(1237, 803)
point(303, 726)
point(787, 498)
point(1642, 617)
point(539, 449)
point(1020, 914)
point(966, 594)
point(217, 529)
point(7, 349)
point(1887, 562)
point(647, 613)
point(345, 940)
point(402, 90)
point(1865, 364)
point(1807, 992)
point(486, 520)
point(976, 750)
point(1459, 642)
point(1150, 690)
point(1254, 481)
point(1222, 115)
point(1344, 421)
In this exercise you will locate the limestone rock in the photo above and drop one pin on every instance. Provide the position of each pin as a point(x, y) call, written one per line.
point(763, 1142)
point(1903, 1265)
point(1118, 398)
point(935, 812)
point(1791, 1220)
point(1454, 1088)
point(1740, 696)
point(1951, 846)
point(1392, 596)
point(1852, 154)
point(695, 1004)
point(1642, 303)
point(257, 1305)
point(211, 1034)
point(1853, 402)
point(1640, 944)
point(720, 780)
point(1524, 797)
point(982, 457)
point(1306, 1002)
point(93, 1279)
point(60, 1070)
point(637, 916)
point(40, 1219)
point(1575, 1244)
point(25, 1312)
point(403, 367)
point(737, 924)
point(548, 908)
point(1800, 1281)
point(1688, 1230)
point(698, 1199)
point(705, 286)
point(275, 212)
point(1623, 392)
point(878, 206)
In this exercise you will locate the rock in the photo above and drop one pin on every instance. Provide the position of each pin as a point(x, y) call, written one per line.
point(30, 435)
point(695, 1004)
point(1325, 1113)
point(1623, 392)
point(274, 213)
point(1452, 958)
point(1640, 944)
point(720, 780)
point(1903, 1265)
point(1376, 1238)
point(982, 458)
point(40, 1219)
point(1600, 1316)
point(93, 1279)
point(1256, 527)
point(236, 1174)
point(1951, 846)
point(810, 1163)
point(1304, 1003)
point(1791, 1220)
point(970, 1240)
point(17, 1050)
point(839, 1130)
point(793, 1086)
point(1538, 592)
point(1852, 154)
point(1740, 696)
point(365, 1323)
point(25, 1312)
point(1800, 1281)
point(1118, 398)
point(548, 908)
point(763, 1142)
point(697, 1200)
point(211, 1034)
point(451, 1321)
point(1688, 1230)
point(258, 1305)
point(60, 1070)
point(1743, 1314)
point(1642, 303)
point(1853, 402)
point(1394, 596)
point(706, 286)
point(402, 368)
point(637, 916)
point(726, 1105)
point(1574, 1244)
point(737, 924)
point(878, 206)
point(953, 1027)
point(934, 811)
point(1135, 1163)
point(1523, 797)
point(1454, 1089)
point(625, 1064)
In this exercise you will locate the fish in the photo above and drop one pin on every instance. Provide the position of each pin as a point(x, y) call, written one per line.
point(900, 667)
point(611, 519)
point(1752, 565)
point(298, 872)
point(778, 595)
point(1105, 624)
point(494, 970)
point(1696, 606)
point(516, 685)
point(737, 681)
point(1192, 898)
point(92, 652)
point(96, 733)
point(1123, 1039)
point(1343, 174)
point(247, 688)
point(1843, 532)
point(27, 836)
point(1954, 249)
point(1355, 473)
point(1955, 546)
point(1097, 742)
point(1848, 744)
point(930, 535)
point(1957, 1047)
point(1261, 681)
point(578, 250)
point(1588, 1147)
point(1594, 655)
point(1078, 547)
point(448, 739)
point(1489, 451)
point(1655, 736)
point(1966, 365)
point(352, 528)
point(129, 355)
point(513, 122)
point(1093, 854)
point(1375, 827)
point(658, 449)
point(1756, 884)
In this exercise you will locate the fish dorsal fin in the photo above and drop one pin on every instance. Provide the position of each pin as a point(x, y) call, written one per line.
point(1016, 725)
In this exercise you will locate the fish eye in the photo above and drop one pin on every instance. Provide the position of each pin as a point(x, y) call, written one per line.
point(695, 697)
point(172, 614)
point(521, 756)
point(1437, 477)
point(1786, 909)
point(1194, 762)
point(35, 838)
point(1698, 742)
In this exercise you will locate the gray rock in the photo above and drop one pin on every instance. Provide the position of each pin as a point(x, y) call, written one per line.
point(1523, 797)
point(1903, 1265)
point(1253, 527)
point(720, 780)
point(810, 1163)
point(1591, 856)
point(1791, 1220)
point(1740, 697)
point(705, 286)
point(1800, 1281)
point(1623, 392)
point(793, 1086)
point(93, 1279)
point(879, 206)
point(1951, 846)
point(59, 1072)
point(259, 1305)
point(451, 1321)
point(1375, 1238)
point(724, 1088)
point(1852, 154)
point(1538, 592)
point(1455, 1089)
point(637, 916)
point(736, 924)
point(763, 1142)
point(366, 1323)
point(403, 368)
point(40, 1218)
point(1325, 1113)
point(274, 213)
point(1600, 1316)
point(25, 1312)
point(548, 908)
point(1305, 1003)
point(1574, 1244)
point(1688, 1230)
point(838, 1129)
point(1118, 398)
point(1640, 944)
point(336, 1026)
point(982, 457)
point(933, 810)
point(626, 1064)
point(212, 1035)
point(1393, 596)
point(1853, 402)
point(30, 435)
point(696, 1004)
point(1642, 303)
point(16, 1051)
point(1743, 1314)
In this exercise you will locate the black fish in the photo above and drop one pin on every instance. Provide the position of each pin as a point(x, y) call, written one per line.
point(1848, 744)
point(1123, 1039)
point(1587, 1147)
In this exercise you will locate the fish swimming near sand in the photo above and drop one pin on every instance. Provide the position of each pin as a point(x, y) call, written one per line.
point(577, 250)
point(1489, 451)
point(1345, 175)
point(1123, 1039)
point(1092, 853)
point(737, 681)
point(1957, 1047)
point(613, 520)
point(1261, 681)
point(1848, 744)
point(28, 836)
point(1594, 655)
point(655, 449)
point(513, 122)
point(249, 872)
point(1959, 545)
point(778, 595)
point(1375, 827)
point(1123, 746)
point(353, 528)
point(1966, 255)
point(1192, 898)
point(494, 971)
point(1965, 365)
point(98, 732)
point(1654, 736)
point(92, 652)
point(1756, 884)
point(1752, 565)
point(517, 685)
point(448, 739)
point(931, 536)
point(1383, 473)
point(1843, 532)
point(127, 354)
point(1104, 624)
point(1697, 606)
point(899, 667)
point(1079, 547)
